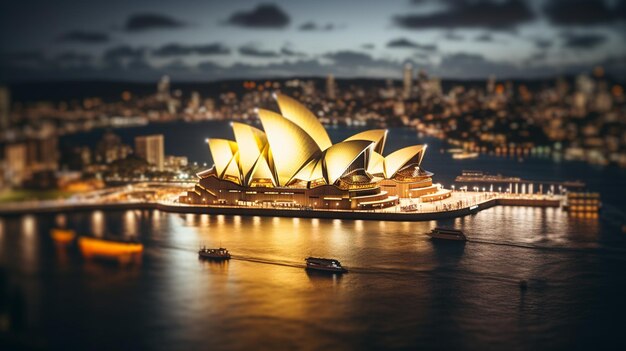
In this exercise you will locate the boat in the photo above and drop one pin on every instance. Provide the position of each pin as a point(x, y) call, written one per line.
point(110, 249)
point(447, 234)
point(214, 254)
point(324, 264)
point(465, 155)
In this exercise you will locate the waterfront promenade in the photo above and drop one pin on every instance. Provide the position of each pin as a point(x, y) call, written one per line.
point(461, 203)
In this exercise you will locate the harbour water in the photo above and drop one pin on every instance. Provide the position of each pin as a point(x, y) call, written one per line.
point(403, 291)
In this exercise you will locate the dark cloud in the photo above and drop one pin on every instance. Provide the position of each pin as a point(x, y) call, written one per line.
point(289, 52)
point(349, 57)
point(73, 57)
point(123, 52)
point(584, 12)
point(148, 21)
point(486, 37)
point(312, 26)
point(252, 51)
point(368, 46)
point(174, 49)
point(583, 41)
point(78, 36)
point(406, 43)
point(263, 16)
point(543, 43)
point(29, 56)
point(454, 37)
point(502, 15)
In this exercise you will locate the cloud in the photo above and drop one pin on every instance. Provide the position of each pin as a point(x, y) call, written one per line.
point(583, 12)
point(73, 57)
point(174, 49)
point(252, 51)
point(263, 16)
point(543, 43)
point(583, 41)
point(502, 15)
point(312, 26)
point(406, 43)
point(454, 37)
point(285, 51)
point(368, 46)
point(486, 37)
point(349, 57)
point(122, 52)
point(149, 21)
point(78, 36)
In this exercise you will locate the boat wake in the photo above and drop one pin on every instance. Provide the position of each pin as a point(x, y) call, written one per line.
point(587, 249)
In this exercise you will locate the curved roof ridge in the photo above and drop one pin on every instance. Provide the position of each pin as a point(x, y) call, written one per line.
point(399, 158)
point(290, 145)
point(305, 119)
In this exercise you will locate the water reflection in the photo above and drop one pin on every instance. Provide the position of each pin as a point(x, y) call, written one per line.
point(415, 287)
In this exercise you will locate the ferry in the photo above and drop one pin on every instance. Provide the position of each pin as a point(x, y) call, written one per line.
point(447, 234)
point(324, 264)
point(214, 254)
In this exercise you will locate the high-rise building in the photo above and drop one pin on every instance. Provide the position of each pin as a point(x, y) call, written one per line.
point(408, 81)
point(151, 148)
point(491, 84)
point(330, 87)
point(5, 108)
point(194, 102)
point(163, 89)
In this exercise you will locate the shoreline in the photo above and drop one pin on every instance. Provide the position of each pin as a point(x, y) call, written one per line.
point(298, 213)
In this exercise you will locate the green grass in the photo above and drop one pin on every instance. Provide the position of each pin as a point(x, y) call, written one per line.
point(17, 195)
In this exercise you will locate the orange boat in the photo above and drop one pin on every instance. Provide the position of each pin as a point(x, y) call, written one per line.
point(62, 236)
point(121, 251)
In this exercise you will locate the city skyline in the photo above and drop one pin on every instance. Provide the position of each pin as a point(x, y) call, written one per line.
point(199, 41)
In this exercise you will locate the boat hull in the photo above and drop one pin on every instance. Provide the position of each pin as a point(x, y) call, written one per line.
point(326, 269)
point(213, 257)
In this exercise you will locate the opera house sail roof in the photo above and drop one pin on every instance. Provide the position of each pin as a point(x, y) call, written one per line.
point(294, 150)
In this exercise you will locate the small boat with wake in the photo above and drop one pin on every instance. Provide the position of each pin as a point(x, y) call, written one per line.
point(447, 234)
point(324, 265)
point(214, 254)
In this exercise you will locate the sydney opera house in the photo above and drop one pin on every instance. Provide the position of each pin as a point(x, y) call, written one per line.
point(293, 163)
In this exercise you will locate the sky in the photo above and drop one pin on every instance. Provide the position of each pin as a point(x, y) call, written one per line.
point(192, 40)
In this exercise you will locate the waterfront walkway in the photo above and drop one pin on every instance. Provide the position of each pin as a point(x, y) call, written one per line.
point(461, 203)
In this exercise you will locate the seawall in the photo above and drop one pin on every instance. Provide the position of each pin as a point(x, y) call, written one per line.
point(274, 212)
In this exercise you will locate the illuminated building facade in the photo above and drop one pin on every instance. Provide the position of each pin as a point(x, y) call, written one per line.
point(293, 163)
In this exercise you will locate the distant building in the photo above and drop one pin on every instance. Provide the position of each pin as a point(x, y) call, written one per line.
point(408, 81)
point(330, 87)
point(110, 148)
point(27, 159)
point(151, 148)
point(491, 84)
point(5, 108)
point(163, 89)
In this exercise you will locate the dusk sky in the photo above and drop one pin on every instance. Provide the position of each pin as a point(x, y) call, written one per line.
point(203, 40)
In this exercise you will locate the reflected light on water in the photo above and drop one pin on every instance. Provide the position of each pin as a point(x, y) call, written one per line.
point(204, 219)
point(256, 221)
point(130, 223)
point(97, 224)
point(61, 220)
point(30, 241)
